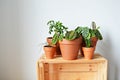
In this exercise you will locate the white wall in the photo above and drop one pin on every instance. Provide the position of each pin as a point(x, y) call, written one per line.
point(23, 27)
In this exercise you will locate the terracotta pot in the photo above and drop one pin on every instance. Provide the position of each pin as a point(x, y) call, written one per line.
point(93, 44)
point(82, 45)
point(49, 41)
point(58, 51)
point(94, 41)
point(70, 48)
point(88, 52)
point(49, 51)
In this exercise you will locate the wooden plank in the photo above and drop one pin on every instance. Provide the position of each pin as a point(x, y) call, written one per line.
point(46, 70)
point(38, 70)
point(73, 67)
point(78, 76)
point(41, 71)
point(59, 59)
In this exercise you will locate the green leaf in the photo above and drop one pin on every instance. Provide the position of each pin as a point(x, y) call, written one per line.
point(87, 42)
point(71, 35)
point(99, 35)
point(85, 32)
point(55, 39)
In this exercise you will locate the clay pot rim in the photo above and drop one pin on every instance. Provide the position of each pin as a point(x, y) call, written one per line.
point(65, 41)
point(94, 38)
point(50, 46)
point(49, 37)
point(88, 48)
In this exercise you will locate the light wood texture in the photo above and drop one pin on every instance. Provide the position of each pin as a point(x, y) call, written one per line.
point(79, 69)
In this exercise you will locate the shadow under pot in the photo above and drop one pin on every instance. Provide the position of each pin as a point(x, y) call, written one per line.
point(49, 51)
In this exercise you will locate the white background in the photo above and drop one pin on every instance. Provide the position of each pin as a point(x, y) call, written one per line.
point(23, 28)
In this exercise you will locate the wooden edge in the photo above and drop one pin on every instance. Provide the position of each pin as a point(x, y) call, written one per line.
point(38, 70)
point(95, 54)
point(106, 70)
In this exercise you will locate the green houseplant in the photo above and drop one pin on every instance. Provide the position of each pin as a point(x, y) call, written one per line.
point(95, 34)
point(92, 33)
point(58, 30)
point(69, 41)
point(70, 45)
point(90, 38)
point(88, 49)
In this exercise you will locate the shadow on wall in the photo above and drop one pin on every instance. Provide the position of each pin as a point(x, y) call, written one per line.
point(105, 48)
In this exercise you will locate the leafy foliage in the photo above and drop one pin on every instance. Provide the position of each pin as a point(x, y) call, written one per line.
point(78, 30)
point(59, 30)
point(71, 35)
point(87, 33)
point(95, 32)
point(86, 36)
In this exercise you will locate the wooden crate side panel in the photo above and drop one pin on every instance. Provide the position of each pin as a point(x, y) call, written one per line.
point(76, 67)
point(102, 70)
point(73, 76)
point(46, 71)
point(78, 76)
point(38, 71)
point(99, 71)
point(41, 74)
point(71, 71)
point(105, 67)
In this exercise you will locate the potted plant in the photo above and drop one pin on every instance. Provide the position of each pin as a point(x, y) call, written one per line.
point(70, 45)
point(79, 32)
point(69, 41)
point(58, 30)
point(90, 37)
point(95, 34)
point(49, 51)
point(49, 40)
point(88, 49)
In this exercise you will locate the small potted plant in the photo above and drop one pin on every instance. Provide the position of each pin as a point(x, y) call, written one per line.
point(58, 29)
point(90, 37)
point(50, 51)
point(88, 49)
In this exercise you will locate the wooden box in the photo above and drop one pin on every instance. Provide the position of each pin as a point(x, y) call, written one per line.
point(79, 69)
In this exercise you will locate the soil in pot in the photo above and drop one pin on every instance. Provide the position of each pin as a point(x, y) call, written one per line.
point(88, 52)
point(70, 48)
point(49, 51)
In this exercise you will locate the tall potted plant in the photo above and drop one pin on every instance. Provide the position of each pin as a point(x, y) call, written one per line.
point(58, 30)
point(95, 34)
